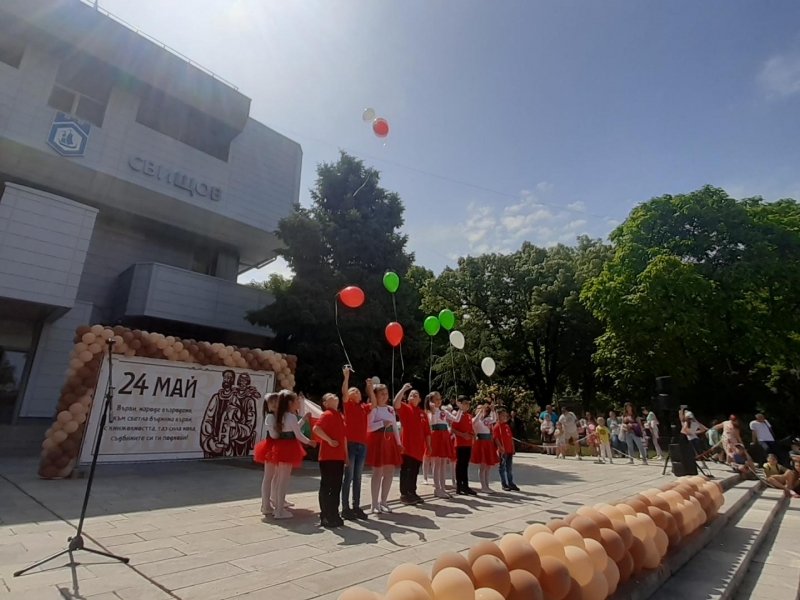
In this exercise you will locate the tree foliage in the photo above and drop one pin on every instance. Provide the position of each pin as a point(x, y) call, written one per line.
point(704, 288)
point(524, 310)
point(349, 236)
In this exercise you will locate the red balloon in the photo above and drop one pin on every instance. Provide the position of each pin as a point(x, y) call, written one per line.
point(394, 333)
point(352, 296)
point(380, 127)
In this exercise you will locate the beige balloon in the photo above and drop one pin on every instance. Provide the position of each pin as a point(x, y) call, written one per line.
point(71, 427)
point(95, 348)
point(97, 329)
point(107, 333)
point(60, 436)
point(80, 419)
point(64, 417)
point(75, 364)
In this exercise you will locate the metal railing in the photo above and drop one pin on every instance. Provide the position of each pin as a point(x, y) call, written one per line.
point(150, 38)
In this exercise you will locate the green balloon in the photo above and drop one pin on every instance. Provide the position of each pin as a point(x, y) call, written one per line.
point(391, 281)
point(431, 325)
point(447, 319)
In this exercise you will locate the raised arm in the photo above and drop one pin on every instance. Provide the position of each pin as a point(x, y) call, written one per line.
point(371, 393)
point(398, 399)
point(345, 382)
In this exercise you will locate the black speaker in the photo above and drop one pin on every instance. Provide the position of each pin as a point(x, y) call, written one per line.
point(682, 457)
point(664, 385)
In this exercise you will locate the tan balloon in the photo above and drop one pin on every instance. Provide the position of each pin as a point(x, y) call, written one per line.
point(597, 553)
point(75, 364)
point(97, 329)
point(59, 436)
point(452, 584)
point(611, 573)
point(579, 565)
point(357, 593)
point(546, 544)
point(488, 594)
point(569, 537)
point(71, 427)
point(77, 408)
point(64, 417)
point(597, 588)
point(451, 560)
point(95, 348)
point(407, 590)
point(662, 542)
point(80, 419)
point(410, 572)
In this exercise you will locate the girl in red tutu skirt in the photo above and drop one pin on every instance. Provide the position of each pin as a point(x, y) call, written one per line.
point(383, 447)
point(287, 451)
point(263, 453)
point(484, 451)
point(441, 444)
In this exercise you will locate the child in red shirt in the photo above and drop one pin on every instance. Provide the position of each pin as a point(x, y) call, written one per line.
point(330, 428)
point(465, 435)
point(504, 439)
point(416, 437)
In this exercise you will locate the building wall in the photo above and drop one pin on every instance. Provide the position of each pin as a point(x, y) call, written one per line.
point(113, 249)
point(259, 183)
point(51, 361)
point(43, 246)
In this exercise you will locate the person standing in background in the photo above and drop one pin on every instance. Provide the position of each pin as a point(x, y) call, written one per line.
point(330, 430)
point(613, 426)
point(651, 424)
point(762, 434)
point(505, 448)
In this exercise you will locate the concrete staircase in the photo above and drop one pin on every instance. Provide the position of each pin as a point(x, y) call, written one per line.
point(749, 552)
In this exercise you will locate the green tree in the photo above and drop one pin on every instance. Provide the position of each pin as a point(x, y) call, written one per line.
point(706, 289)
point(524, 310)
point(349, 236)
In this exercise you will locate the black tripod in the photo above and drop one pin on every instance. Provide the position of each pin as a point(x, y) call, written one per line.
point(75, 543)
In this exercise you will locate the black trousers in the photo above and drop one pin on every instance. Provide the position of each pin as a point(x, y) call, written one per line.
point(330, 487)
point(409, 471)
point(463, 454)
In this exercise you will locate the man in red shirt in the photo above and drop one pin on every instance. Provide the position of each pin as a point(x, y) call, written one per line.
point(464, 438)
point(355, 418)
point(330, 429)
point(416, 433)
point(504, 439)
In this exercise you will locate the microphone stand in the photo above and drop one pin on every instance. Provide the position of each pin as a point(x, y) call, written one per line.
point(76, 542)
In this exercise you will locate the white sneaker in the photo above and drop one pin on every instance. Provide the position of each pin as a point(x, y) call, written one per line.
point(384, 508)
point(375, 510)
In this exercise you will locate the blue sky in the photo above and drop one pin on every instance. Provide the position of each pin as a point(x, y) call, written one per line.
point(586, 106)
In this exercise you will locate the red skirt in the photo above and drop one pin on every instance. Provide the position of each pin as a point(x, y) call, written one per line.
point(484, 452)
point(264, 450)
point(441, 445)
point(382, 449)
point(287, 450)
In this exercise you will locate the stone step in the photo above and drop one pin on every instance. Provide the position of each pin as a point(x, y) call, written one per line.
point(738, 495)
point(774, 572)
point(719, 568)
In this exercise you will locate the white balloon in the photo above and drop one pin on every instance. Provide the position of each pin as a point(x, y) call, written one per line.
point(376, 380)
point(369, 115)
point(488, 366)
point(457, 339)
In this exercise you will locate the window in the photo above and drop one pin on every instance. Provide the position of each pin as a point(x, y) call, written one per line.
point(185, 123)
point(82, 89)
point(204, 262)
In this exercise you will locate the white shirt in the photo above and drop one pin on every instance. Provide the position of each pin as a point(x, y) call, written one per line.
point(441, 416)
point(568, 421)
point(762, 430)
point(693, 428)
point(481, 425)
point(378, 415)
point(290, 423)
point(613, 425)
point(269, 425)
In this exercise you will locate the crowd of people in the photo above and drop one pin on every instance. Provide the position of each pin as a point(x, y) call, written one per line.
point(434, 436)
point(407, 432)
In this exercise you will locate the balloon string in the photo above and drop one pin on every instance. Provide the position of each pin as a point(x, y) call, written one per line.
point(341, 341)
point(453, 362)
point(392, 371)
point(430, 369)
point(402, 362)
point(466, 360)
point(363, 184)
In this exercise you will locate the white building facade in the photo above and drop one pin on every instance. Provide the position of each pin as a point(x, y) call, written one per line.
point(134, 189)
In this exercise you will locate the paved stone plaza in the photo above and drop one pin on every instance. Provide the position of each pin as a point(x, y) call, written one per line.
point(193, 530)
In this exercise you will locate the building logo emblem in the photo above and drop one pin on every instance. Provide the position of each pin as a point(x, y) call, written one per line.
point(68, 136)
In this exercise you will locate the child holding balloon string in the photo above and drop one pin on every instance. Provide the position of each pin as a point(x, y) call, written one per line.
point(287, 449)
point(484, 451)
point(383, 447)
point(441, 444)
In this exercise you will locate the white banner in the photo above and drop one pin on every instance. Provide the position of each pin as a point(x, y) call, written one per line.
point(167, 410)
